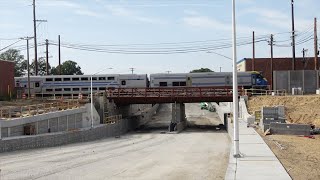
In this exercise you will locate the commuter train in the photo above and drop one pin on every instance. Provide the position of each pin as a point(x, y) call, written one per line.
point(68, 85)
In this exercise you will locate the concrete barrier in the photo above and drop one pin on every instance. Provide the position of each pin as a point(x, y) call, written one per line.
point(63, 138)
point(290, 129)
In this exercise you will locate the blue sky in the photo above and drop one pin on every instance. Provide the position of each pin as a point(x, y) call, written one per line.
point(110, 22)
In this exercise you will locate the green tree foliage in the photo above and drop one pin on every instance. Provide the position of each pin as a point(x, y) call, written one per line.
point(15, 56)
point(41, 67)
point(201, 70)
point(67, 68)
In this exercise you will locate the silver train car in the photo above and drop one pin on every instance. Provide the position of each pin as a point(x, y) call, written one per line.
point(221, 79)
point(67, 85)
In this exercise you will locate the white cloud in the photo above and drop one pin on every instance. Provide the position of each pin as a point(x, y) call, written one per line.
point(133, 15)
point(190, 12)
point(76, 8)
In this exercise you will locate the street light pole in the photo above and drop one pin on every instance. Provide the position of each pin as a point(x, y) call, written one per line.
point(236, 153)
point(91, 93)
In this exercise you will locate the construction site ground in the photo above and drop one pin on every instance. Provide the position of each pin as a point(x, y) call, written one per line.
point(299, 155)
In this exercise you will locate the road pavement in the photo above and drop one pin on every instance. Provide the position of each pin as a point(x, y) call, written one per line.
point(152, 154)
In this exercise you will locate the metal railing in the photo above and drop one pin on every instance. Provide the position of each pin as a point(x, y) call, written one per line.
point(112, 119)
point(9, 112)
point(262, 92)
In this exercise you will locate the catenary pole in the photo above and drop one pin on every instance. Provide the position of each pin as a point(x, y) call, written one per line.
point(235, 84)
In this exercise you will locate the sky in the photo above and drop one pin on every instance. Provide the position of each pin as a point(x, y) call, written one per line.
point(150, 25)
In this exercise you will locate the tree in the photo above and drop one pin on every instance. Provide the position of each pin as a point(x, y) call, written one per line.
point(67, 68)
point(15, 56)
point(201, 70)
point(42, 69)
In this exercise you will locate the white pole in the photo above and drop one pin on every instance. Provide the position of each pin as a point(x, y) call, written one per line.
point(91, 103)
point(235, 84)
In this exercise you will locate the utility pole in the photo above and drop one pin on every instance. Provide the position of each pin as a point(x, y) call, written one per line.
point(304, 57)
point(316, 52)
point(132, 69)
point(35, 38)
point(28, 64)
point(253, 51)
point(293, 38)
point(271, 61)
point(59, 50)
point(47, 56)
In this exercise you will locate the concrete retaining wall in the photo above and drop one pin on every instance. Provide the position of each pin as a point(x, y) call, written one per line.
point(290, 129)
point(58, 139)
point(50, 122)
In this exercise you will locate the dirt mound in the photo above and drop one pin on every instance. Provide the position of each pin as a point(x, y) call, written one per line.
point(299, 109)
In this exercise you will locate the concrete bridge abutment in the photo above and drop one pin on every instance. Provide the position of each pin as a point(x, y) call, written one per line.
point(179, 121)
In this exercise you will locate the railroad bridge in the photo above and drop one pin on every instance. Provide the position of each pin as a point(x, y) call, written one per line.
point(176, 95)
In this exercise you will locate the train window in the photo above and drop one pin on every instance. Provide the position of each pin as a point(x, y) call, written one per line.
point(85, 89)
point(58, 90)
point(94, 89)
point(175, 83)
point(102, 78)
point(123, 83)
point(57, 79)
point(102, 88)
point(84, 79)
point(25, 86)
point(94, 78)
point(75, 79)
point(37, 84)
point(49, 79)
point(163, 84)
point(66, 79)
point(67, 89)
point(75, 89)
point(183, 84)
point(49, 90)
point(110, 78)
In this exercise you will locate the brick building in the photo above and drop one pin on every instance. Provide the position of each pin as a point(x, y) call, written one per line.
point(263, 65)
point(6, 78)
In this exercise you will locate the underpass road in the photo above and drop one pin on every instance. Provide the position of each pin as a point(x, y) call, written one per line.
point(193, 154)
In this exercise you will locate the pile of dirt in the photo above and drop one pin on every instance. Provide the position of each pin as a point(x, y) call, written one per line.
point(299, 109)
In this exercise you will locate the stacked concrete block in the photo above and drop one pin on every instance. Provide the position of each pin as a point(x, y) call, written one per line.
point(272, 115)
point(290, 129)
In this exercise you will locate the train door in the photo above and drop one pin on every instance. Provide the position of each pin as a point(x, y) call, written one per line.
point(254, 80)
point(36, 86)
point(228, 80)
point(189, 81)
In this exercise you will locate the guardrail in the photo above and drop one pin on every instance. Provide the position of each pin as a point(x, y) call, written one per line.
point(10, 112)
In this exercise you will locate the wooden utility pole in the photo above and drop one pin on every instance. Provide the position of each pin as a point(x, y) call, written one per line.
point(304, 58)
point(28, 64)
point(253, 51)
point(315, 45)
point(293, 38)
point(35, 38)
point(271, 61)
point(47, 56)
point(59, 50)
point(28, 67)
